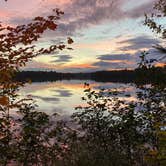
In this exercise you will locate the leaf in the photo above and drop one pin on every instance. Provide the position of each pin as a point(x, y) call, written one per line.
point(52, 26)
point(70, 40)
point(69, 48)
point(4, 100)
point(38, 18)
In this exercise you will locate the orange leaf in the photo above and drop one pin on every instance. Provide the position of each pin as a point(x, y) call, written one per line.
point(4, 100)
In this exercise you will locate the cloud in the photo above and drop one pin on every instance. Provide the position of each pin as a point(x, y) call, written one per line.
point(121, 61)
point(20, 20)
point(104, 62)
point(115, 57)
point(85, 13)
point(36, 65)
point(139, 11)
point(62, 58)
point(106, 65)
point(79, 70)
point(80, 14)
point(139, 42)
point(74, 67)
point(4, 13)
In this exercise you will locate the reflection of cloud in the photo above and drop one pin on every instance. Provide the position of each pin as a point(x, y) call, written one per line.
point(46, 99)
point(63, 93)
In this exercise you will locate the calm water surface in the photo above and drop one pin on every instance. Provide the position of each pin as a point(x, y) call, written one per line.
point(63, 96)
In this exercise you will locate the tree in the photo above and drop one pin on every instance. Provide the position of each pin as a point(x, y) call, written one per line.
point(156, 22)
point(17, 48)
point(23, 140)
point(145, 63)
point(159, 13)
point(119, 132)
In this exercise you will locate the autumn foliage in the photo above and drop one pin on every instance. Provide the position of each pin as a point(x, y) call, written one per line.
point(17, 46)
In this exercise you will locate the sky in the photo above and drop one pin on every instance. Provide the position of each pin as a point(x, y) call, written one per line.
point(107, 34)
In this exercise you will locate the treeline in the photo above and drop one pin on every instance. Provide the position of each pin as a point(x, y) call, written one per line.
point(125, 76)
point(99, 76)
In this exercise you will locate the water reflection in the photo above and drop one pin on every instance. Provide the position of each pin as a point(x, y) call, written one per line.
point(64, 96)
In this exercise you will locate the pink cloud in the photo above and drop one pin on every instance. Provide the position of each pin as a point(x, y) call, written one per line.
point(4, 13)
point(79, 14)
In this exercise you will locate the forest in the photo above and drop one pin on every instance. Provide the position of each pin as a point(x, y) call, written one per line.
point(125, 76)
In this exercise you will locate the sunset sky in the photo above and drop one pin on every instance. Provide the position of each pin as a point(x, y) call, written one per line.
point(107, 34)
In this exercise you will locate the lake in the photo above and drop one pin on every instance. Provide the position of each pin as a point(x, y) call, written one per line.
point(63, 96)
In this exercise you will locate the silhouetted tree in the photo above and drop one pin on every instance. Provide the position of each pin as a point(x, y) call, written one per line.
point(20, 138)
point(156, 22)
